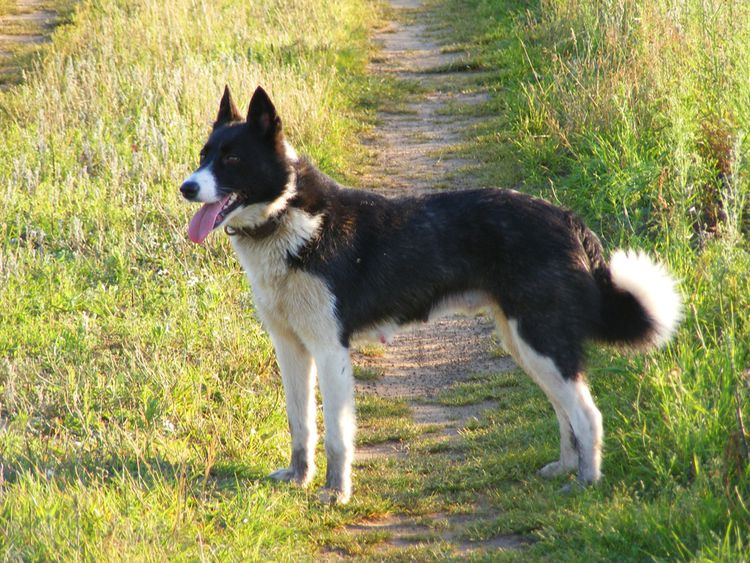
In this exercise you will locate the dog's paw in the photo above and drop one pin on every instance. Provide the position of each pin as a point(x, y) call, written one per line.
point(572, 488)
point(288, 475)
point(333, 496)
point(284, 474)
point(555, 469)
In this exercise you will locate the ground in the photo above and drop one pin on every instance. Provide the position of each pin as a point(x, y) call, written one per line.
point(141, 407)
point(414, 151)
point(24, 26)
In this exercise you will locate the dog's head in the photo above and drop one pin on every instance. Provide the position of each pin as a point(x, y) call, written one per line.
point(244, 167)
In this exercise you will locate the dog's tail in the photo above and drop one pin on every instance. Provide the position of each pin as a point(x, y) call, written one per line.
point(640, 304)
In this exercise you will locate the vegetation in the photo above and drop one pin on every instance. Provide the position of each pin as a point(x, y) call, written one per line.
point(139, 402)
point(23, 26)
point(635, 114)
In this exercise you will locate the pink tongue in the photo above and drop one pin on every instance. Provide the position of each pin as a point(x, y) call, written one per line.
point(202, 222)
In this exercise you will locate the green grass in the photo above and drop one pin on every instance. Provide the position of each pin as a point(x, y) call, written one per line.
point(16, 56)
point(477, 389)
point(140, 403)
point(635, 115)
point(381, 421)
point(367, 373)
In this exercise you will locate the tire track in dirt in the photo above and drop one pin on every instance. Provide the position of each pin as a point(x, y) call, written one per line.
point(412, 154)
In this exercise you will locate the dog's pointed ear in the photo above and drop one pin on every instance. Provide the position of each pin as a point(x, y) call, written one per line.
point(227, 110)
point(261, 115)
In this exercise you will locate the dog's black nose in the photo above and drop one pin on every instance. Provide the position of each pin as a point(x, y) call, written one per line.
point(189, 190)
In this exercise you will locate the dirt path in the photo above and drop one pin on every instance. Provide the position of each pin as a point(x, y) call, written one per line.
point(412, 144)
point(413, 155)
point(27, 25)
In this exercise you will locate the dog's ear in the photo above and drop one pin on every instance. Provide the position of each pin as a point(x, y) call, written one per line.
point(261, 115)
point(227, 110)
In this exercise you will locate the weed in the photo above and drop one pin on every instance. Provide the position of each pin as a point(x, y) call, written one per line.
point(632, 114)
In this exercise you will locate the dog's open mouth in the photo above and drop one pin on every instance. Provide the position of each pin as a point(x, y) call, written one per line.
point(211, 215)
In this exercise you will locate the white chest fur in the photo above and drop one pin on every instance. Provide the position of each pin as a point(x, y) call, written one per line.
point(299, 300)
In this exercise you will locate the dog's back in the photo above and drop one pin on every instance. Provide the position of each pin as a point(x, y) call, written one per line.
point(327, 263)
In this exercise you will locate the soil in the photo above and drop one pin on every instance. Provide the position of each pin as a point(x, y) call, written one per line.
point(412, 146)
point(412, 149)
point(27, 25)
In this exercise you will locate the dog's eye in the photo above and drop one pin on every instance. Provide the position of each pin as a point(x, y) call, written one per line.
point(203, 154)
point(230, 159)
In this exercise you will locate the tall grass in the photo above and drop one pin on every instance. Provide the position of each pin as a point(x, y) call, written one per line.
point(649, 103)
point(127, 355)
point(636, 114)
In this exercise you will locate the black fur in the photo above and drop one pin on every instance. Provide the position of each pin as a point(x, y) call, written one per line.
point(228, 111)
point(396, 259)
point(622, 319)
point(234, 143)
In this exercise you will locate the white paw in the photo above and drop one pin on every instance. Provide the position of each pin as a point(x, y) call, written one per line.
point(285, 474)
point(333, 496)
point(555, 469)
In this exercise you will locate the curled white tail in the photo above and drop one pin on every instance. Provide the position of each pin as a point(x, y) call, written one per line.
point(653, 287)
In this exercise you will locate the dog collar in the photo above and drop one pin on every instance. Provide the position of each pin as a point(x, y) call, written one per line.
point(264, 230)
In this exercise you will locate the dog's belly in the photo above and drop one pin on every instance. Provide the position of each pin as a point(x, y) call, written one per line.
point(466, 303)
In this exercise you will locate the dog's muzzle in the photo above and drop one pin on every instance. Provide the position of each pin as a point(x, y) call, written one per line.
point(190, 190)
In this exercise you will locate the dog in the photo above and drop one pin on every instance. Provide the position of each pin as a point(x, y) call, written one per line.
point(328, 264)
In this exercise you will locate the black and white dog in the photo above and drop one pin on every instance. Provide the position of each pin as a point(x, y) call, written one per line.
point(328, 264)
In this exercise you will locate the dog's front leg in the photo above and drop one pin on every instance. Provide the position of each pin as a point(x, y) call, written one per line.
point(298, 375)
point(337, 388)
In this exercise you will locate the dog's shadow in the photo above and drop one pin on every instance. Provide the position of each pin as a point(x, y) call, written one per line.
point(126, 469)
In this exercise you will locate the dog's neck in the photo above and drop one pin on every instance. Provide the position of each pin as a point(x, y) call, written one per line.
point(269, 227)
point(259, 232)
point(305, 193)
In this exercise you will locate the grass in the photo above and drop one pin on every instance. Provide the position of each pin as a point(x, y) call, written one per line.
point(635, 115)
point(140, 405)
point(367, 373)
point(382, 421)
point(17, 55)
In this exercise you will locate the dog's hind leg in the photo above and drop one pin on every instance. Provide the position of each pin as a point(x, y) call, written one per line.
point(568, 447)
point(580, 421)
point(337, 389)
point(298, 375)
point(586, 422)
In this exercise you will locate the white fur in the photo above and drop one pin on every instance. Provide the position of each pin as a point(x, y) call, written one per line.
point(568, 455)
point(466, 303)
point(337, 391)
point(382, 332)
point(653, 287)
point(575, 409)
point(258, 213)
point(208, 191)
point(264, 260)
point(291, 154)
point(298, 375)
point(299, 311)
